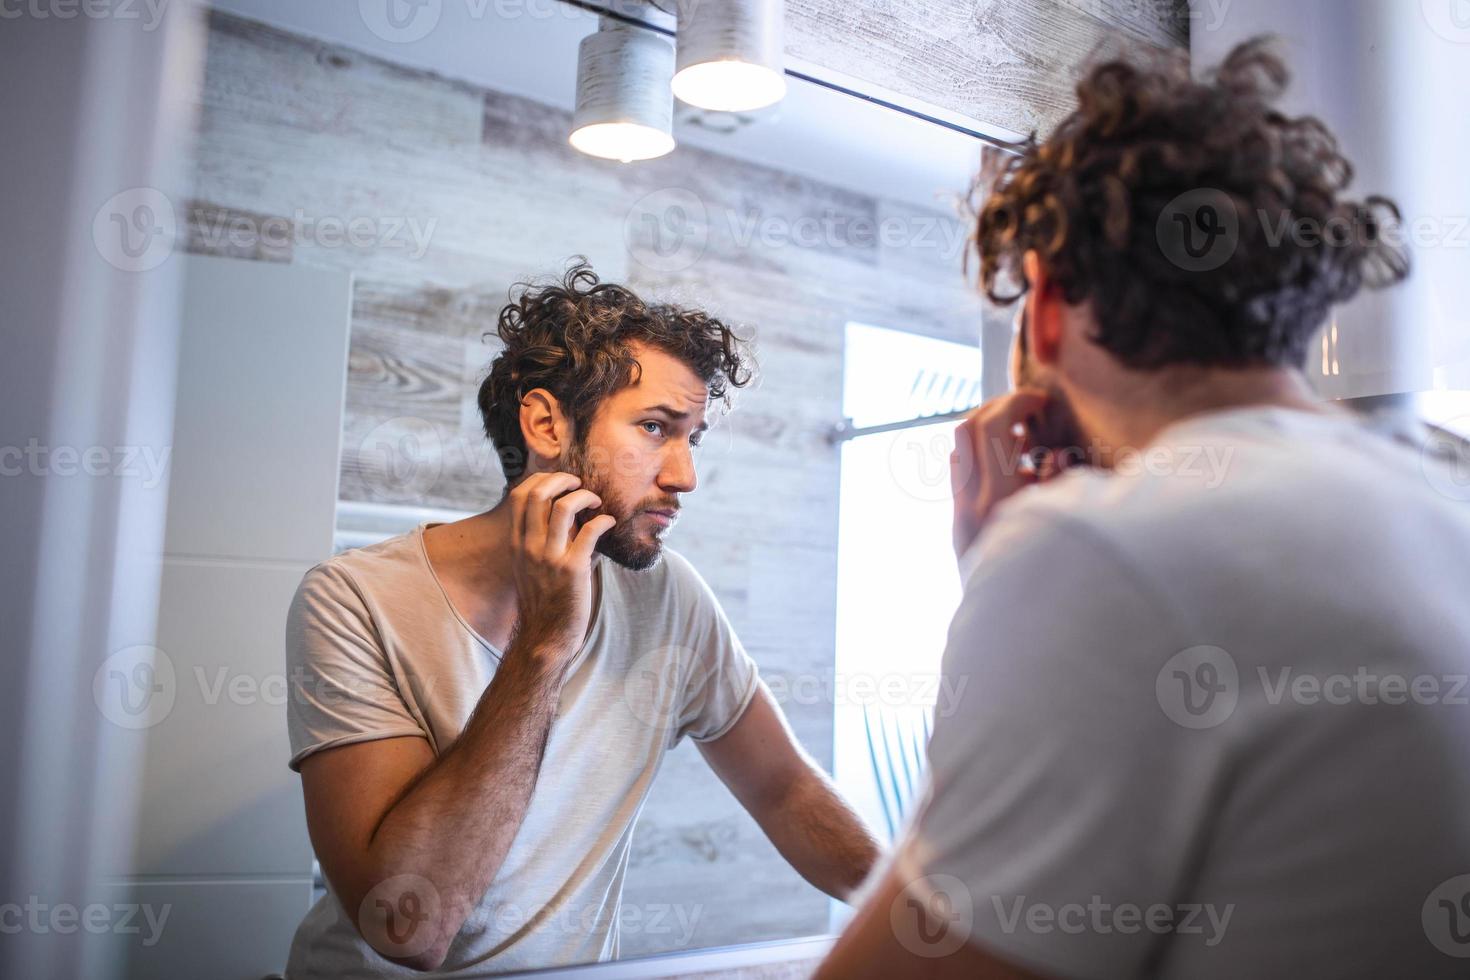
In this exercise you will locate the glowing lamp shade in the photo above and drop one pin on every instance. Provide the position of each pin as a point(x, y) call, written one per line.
point(623, 141)
point(624, 109)
point(731, 54)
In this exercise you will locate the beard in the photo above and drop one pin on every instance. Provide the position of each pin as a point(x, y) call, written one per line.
point(624, 543)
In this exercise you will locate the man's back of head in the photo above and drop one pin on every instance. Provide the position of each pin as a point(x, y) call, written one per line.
point(1178, 242)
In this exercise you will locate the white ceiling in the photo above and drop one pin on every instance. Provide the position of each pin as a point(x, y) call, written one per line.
point(529, 48)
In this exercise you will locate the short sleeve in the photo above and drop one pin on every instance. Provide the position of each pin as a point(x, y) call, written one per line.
point(1062, 803)
point(341, 689)
point(721, 678)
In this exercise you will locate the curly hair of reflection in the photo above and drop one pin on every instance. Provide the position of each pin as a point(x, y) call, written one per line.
point(574, 338)
point(1148, 138)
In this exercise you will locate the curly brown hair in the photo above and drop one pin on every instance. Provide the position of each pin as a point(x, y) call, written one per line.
point(1152, 162)
point(573, 338)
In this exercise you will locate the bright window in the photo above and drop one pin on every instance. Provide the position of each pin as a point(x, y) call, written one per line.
point(897, 584)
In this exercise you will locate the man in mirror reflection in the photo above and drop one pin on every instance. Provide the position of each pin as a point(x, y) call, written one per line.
point(481, 707)
point(1217, 633)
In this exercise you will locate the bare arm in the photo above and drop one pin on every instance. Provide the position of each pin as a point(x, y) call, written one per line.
point(410, 842)
point(792, 799)
point(895, 934)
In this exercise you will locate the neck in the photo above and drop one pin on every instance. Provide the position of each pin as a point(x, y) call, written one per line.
point(1143, 404)
point(472, 551)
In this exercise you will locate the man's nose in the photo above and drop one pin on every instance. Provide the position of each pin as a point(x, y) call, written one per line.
point(677, 475)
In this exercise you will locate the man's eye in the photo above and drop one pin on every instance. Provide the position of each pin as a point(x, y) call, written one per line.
point(657, 426)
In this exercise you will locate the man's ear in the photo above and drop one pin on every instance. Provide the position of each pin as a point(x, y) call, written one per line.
point(547, 431)
point(1046, 312)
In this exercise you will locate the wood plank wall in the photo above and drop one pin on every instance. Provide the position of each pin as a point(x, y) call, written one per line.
point(1006, 63)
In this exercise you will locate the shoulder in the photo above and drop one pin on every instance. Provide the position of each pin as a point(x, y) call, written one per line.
point(400, 552)
point(1081, 506)
point(1085, 539)
point(1078, 527)
point(350, 577)
point(1048, 588)
point(1229, 489)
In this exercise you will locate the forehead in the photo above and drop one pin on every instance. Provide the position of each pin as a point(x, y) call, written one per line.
point(664, 379)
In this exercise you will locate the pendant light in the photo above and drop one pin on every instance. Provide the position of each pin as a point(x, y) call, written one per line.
point(624, 107)
point(731, 54)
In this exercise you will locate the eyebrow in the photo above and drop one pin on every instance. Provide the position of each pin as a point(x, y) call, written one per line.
point(675, 414)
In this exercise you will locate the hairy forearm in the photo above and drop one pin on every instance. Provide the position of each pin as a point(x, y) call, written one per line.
point(453, 826)
point(820, 835)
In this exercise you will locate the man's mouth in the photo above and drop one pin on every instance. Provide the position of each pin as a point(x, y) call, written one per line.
point(663, 517)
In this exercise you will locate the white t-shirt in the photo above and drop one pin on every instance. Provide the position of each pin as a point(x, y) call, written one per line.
point(1226, 691)
point(376, 650)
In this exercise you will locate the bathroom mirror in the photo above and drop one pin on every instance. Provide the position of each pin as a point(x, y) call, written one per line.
point(408, 175)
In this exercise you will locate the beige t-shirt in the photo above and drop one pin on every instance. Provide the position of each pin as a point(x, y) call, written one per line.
point(375, 650)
